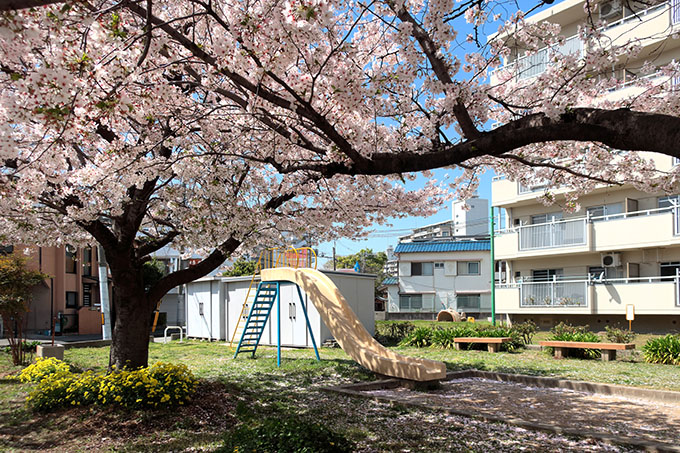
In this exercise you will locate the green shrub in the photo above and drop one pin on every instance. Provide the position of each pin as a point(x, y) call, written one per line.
point(43, 368)
point(525, 331)
point(662, 350)
point(618, 335)
point(285, 435)
point(567, 332)
point(443, 338)
point(161, 384)
point(420, 337)
point(391, 333)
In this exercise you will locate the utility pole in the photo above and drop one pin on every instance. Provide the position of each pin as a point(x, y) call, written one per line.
point(334, 255)
point(493, 271)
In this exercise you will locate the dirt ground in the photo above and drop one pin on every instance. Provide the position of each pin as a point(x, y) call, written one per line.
point(611, 415)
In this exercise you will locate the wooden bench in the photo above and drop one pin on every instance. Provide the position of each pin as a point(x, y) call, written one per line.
point(608, 349)
point(493, 343)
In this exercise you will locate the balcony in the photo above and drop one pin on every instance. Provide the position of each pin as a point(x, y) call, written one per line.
point(565, 233)
point(591, 234)
point(649, 295)
point(646, 27)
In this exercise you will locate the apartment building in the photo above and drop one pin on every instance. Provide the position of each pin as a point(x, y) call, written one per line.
point(71, 294)
point(623, 248)
point(440, 275)
point(468, 218)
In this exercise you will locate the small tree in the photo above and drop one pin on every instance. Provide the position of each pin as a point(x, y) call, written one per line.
point(369, 261)
point(241, 267)
point(16, 283)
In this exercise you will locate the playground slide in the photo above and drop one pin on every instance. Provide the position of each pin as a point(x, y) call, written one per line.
point(348, 331)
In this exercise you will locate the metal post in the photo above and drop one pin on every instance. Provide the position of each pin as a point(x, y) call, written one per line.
point(552, 290)
point(104, 294)
point(309, 326)
point(278, 325)
point(493, 272)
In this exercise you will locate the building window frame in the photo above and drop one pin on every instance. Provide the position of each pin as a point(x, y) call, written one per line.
point(469, 268)
point(422, 269)
point(410, 302)
point(70, 260)
point(71, 299)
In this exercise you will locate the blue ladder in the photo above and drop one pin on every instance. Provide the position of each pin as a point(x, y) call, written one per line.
point(266, 295)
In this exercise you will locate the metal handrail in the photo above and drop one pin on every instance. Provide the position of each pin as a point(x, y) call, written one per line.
point(165, 333)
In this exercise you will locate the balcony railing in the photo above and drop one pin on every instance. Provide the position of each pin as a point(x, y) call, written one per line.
point(640, 16)
point(573, 292)
point(554, 293)
point(554, 234)
point(573, 232)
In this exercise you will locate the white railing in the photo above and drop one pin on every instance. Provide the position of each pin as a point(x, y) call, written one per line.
point(675, 12)
point(554, 293)
point(541, 230)
point(562, 233)
point(639, 15)
point(522, 189)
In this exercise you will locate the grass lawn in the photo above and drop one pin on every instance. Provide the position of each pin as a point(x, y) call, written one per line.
point(231, 388)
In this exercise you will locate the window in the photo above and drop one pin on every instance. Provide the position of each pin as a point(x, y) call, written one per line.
point(71, 299)
point(599, 213)
point(669, 269)
point(669, 202)
point(70, 260)
point(410, 302)
point(468, 267)
point(468, 302)
point(87, 295)
point(422, 268)
point(545, 218)
point(439, 265)
point(87, 263)
point(545, 275)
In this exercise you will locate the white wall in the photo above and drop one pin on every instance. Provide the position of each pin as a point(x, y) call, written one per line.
point(358, 290)
point(473, 220)
point(209, 324)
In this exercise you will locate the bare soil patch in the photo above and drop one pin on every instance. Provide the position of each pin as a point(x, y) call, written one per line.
point(566, 409)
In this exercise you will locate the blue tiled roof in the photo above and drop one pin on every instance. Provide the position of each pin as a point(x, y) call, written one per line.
point(390, 281)
point(442, 246)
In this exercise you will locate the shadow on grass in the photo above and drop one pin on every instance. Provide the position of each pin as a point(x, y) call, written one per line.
point(519, 369)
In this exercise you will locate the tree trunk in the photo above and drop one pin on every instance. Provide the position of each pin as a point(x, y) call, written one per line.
point(130, 336)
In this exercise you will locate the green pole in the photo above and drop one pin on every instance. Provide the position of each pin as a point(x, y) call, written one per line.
point(493, 272)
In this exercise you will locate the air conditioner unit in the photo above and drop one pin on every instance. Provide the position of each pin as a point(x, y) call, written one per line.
point(611, 9)
point(611, 259)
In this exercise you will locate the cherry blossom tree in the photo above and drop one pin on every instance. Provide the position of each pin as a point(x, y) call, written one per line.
point(218, 126)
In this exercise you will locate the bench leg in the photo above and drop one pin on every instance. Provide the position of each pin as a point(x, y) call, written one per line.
point(560, 353)
point(459, 346)
point(608, 354)
point(493, 347)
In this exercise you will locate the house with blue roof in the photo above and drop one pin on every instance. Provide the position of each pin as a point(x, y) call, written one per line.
point(438, 275)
